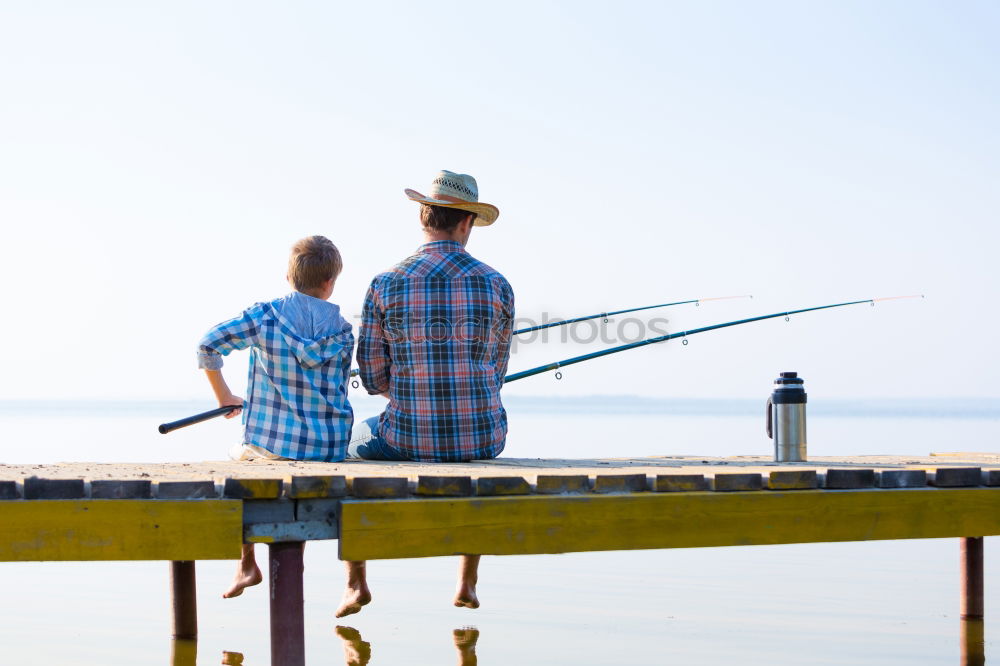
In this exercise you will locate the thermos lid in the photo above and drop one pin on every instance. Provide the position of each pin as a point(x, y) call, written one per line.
point(788, 390)
point(787, 378)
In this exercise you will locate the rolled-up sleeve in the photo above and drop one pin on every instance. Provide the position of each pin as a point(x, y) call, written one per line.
point(373, 348)
point(238, 333)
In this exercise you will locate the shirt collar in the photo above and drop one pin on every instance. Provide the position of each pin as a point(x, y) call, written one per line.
point(441, 247)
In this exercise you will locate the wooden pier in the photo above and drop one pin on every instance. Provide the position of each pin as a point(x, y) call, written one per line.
point(182, 513)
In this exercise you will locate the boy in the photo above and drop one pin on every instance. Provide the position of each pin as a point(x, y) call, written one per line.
point(300, 357)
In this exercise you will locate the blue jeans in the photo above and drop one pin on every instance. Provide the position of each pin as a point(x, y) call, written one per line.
point(367, 444)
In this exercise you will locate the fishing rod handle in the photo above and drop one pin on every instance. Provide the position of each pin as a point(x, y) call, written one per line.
point(197, 418)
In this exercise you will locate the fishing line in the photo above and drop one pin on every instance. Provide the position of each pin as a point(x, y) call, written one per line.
point(605, 315)
point(684, 334)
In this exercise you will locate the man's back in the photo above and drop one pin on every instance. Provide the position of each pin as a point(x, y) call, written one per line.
point(436, 336)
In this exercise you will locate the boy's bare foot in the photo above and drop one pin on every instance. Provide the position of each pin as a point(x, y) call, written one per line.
point(247, 575)
point(468, 576)
point(242, 581)
point(357, 652)
point(356, 595)
point(465, 641)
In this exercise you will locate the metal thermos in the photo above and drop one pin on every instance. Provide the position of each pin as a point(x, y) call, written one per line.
point(786, 418)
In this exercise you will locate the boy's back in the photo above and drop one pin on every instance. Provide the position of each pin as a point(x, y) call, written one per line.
point(300, 360)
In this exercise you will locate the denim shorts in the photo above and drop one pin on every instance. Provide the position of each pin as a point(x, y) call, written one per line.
point(367, 444)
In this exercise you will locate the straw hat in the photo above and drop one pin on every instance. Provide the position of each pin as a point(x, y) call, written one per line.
point(457, 190)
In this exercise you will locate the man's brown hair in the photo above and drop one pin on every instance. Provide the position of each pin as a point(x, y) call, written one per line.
point(440, 218)
point(313, 261)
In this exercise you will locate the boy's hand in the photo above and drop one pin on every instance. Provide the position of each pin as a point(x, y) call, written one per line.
point(223, 394)
point(234, 400)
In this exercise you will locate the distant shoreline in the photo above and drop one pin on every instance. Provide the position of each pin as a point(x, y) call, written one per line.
point(594, 405)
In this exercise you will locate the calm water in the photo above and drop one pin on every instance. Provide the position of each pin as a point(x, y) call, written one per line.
point(856, 603)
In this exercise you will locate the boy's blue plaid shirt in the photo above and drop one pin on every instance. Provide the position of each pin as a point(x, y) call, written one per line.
point(296, 405)
point(435, 335)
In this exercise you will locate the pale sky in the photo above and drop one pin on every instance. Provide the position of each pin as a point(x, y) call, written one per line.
point(157, 160)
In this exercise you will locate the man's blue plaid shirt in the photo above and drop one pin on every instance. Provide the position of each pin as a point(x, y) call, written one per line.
point(296, 405)
point(435, 335)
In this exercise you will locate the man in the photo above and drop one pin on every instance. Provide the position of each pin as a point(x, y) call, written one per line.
point(435, 340)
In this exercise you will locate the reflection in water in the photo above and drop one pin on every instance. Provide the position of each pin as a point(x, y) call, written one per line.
point(358, 652)
point(465, 641)
point(183, 652)
point(973, 643)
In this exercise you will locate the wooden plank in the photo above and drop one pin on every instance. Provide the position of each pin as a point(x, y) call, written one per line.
point(444, 486)
point(902, 478)
point(379, 486)
point(276, 521)
point(736, 482)
point(35, 488)
point(124, 489)
point(956, 477)
point(619, 483)
point(674, 483)
point(307, 530)
point(991, 477)
point(317, 509)
point(502, 485)
point(268, 511)
point(238, 488)
point(852, 478)
point(8, 490)
point(560, 523)
point(557, 484)
point(186, 490)
point(306, 487)
point(120, 530)
point(792, 479)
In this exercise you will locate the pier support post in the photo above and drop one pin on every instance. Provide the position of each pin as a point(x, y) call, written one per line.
point(287, 605)
point(184, 600)
point(972, 578)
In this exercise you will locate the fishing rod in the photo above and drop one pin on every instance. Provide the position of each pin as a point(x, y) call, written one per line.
point(605, 315)
point(683, 335)
point(204, 416)
point(197, 418)
point(697, 301)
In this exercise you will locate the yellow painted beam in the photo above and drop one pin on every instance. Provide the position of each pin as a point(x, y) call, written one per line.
point(49, 530)
point(383, 529)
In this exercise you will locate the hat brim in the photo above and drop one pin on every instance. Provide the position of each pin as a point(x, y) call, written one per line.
point(486, 214)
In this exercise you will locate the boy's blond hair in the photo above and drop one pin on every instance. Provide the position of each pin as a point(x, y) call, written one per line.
point(313, 261)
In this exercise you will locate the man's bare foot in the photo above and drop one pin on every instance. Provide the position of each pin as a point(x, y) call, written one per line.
point(247, 574)
point(466, 597)
point(357, 652)
point(468, 576)
point(465, 641)
point(357, 594)
point(353, 601)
